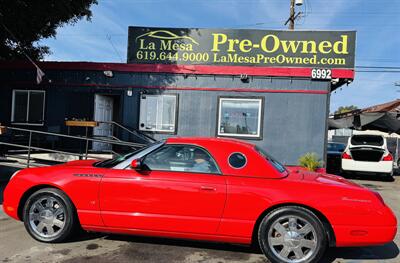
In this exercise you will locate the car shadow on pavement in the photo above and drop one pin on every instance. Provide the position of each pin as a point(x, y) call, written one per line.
point(81, 235)
point(388, 251)
point(185, 243)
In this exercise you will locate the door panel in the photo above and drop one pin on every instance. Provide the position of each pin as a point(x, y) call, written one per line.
point(163, 201)
point(103, 111)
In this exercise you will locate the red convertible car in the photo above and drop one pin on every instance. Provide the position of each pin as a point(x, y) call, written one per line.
point(204, 189)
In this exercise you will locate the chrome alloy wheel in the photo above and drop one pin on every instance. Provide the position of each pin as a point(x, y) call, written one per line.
point(47, 217)
point(292, 239)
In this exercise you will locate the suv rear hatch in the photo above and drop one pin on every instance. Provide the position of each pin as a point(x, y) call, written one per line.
point(367, 148)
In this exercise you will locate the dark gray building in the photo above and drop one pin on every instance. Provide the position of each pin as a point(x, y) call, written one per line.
point(285, 115)
point(283, 109)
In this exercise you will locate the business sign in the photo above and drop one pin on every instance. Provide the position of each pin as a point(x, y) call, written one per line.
point(242, 47)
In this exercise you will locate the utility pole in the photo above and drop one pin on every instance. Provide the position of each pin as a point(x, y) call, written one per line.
point(291, 18)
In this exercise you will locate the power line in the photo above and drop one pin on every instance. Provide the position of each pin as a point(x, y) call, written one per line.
point(220, 1)
point(377, 67)
point(354, 13)
point(378, 71)
point(115, 50)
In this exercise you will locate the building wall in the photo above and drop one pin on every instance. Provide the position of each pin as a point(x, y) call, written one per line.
point(293, 123)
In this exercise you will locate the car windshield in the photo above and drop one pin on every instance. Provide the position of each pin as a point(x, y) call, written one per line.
point(115, 161)
point(278, 166)
point(336, 147)
point(374, 140)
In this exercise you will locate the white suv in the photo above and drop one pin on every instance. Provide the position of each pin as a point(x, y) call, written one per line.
point(367, 154)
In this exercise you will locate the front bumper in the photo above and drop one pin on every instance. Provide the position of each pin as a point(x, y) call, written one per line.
point(351, 236)
point(375, 229)
point(12, 195)
point(11, 211)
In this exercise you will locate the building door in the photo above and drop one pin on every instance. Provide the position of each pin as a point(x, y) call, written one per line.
point(103, 112)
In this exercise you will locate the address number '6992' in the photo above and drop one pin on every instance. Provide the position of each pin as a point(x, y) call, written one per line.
point(320, 73)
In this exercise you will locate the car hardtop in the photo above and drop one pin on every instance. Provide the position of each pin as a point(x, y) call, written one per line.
point(221, 149)
point(209, 141)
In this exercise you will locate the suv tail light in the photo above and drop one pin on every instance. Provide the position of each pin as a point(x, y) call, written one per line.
point(345, 155)
point(388, 157)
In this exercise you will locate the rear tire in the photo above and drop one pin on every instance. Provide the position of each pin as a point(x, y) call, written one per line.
point(49, 216)
point(292, 234)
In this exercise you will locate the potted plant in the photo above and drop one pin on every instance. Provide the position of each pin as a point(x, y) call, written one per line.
point(310, 161)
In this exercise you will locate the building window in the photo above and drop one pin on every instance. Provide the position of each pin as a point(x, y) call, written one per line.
point(158, 113)
point(240, 117)
point(28, 107)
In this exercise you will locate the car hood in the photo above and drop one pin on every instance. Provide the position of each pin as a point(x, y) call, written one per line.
point(83, 163)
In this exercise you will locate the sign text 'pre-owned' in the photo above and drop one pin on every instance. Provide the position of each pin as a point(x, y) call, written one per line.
point(241, 47)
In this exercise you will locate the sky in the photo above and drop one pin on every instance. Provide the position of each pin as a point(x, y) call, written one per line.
point(104, 38)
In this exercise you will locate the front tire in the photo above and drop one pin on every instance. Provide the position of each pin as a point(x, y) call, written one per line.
point(292, 234)
point(49, 216)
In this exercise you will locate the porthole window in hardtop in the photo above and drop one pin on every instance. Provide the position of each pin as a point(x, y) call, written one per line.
point(237, 160)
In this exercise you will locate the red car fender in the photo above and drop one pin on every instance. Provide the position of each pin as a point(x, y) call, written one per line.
point(82, 189)
point(336, 205)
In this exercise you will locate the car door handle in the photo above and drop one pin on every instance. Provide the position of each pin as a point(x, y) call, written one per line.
point(208, 188)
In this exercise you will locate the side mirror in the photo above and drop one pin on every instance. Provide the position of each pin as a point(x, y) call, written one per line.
point(136, 164)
